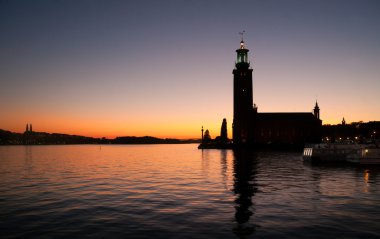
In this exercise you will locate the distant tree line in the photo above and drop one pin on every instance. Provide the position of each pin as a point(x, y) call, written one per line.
point(42, 138)
point(150, 140)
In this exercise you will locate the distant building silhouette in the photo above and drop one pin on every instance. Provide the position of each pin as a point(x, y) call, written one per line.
point(253, 128)
point(220, 142)
point(362, 132)
point(29, 128)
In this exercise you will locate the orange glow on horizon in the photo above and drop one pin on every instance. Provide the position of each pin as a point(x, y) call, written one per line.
point(117, 128)
point(112, 130)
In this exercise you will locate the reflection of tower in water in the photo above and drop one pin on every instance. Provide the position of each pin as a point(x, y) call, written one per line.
point(224, 167)
point(28, 159)
point(245, 188)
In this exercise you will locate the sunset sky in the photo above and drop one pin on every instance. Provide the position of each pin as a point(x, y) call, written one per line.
point(164, 68)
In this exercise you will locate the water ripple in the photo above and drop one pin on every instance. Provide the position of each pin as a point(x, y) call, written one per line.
point(177, 191)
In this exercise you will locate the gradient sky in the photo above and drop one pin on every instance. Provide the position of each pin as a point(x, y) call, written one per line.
point(164, 68)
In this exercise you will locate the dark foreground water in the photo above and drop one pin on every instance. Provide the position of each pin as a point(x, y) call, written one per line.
point(177, 191)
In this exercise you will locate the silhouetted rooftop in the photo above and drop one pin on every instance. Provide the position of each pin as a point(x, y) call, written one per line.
point(286, 116)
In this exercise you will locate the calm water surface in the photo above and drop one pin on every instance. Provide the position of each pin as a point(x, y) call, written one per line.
point(177, 191)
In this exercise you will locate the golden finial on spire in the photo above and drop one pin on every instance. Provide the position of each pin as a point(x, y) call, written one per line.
point(242, 39)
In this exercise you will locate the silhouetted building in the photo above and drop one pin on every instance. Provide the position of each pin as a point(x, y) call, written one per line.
point(253, 128)
point(220, 142)
point(361, 132)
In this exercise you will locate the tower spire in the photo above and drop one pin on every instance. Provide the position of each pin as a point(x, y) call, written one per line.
point(242, 40)
point(242, 34)
point(316, 109)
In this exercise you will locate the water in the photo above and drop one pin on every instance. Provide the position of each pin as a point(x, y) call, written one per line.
point(177, 191)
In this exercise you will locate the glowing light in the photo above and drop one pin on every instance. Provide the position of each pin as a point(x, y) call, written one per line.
point(366, 176)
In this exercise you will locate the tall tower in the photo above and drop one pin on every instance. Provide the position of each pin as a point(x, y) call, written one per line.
point(242, 97)
point(316, 110)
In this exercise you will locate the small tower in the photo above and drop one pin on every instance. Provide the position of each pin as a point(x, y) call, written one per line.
point(343, 121)
point(27, 128)
point(242, 96)
point(202, 134)
point(316, 110)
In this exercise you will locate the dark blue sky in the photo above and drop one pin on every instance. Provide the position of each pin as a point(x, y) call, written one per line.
point(112, 67)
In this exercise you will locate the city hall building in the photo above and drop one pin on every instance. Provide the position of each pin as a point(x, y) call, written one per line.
point(253, 128)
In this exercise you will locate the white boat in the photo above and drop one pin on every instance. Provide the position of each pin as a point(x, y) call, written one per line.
point(331, 152)
point(366, 155)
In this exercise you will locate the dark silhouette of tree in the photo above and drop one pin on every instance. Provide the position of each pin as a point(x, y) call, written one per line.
point(223, 132)
point(207, 137)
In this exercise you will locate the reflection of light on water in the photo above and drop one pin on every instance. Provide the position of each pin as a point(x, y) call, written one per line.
point(366, 179)
point(366, 175)
point(224, 167)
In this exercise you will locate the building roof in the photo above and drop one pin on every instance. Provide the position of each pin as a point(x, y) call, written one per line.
point(285, 116)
